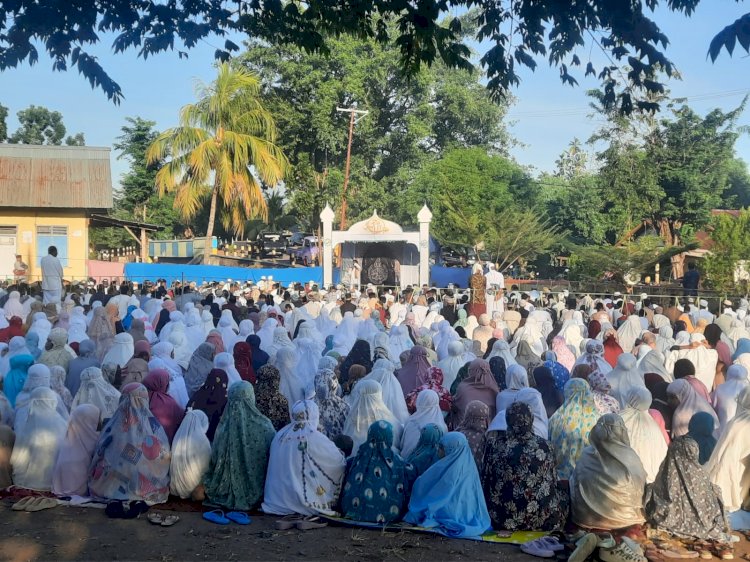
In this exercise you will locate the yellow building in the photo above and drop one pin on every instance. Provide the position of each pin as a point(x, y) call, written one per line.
point(47, 194)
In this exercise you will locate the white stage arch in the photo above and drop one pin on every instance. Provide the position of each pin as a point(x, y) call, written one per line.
point(375, 230)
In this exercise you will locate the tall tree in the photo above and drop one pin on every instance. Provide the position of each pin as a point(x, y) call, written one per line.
point(39, 125)
point(520, 33)
point(730, 237)
point(465, 190)
point(738, 193)
point(692, 156)
point(410, 122)
point(210, 154)
point(136, 198)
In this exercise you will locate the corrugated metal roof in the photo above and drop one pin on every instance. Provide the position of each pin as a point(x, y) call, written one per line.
point(55, 176)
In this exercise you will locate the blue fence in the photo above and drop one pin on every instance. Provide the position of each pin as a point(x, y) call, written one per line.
point(200, 273)
point(441, 276)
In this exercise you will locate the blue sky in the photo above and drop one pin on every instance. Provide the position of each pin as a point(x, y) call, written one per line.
point(547, 114)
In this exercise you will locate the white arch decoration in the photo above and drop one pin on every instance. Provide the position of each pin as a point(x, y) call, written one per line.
point(376, 229)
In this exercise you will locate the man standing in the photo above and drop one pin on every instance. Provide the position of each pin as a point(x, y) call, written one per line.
point(691, 280)
point(20, 270)
point(52, 277)
point(495, 287)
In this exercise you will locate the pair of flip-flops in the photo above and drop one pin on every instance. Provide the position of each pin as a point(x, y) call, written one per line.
point(220, 518)
point(302, 523)
point(163, 520)
point(544, 547)
point(34, 503)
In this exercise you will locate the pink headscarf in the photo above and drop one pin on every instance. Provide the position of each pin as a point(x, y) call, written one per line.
point(479, 385)
point(71, 472)
point(142, 346)
point(415, 370)
point(564, 356)
point(169, 305)
point(161, 404)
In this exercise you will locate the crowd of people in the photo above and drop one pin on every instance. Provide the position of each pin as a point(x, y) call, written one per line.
point(614, 414)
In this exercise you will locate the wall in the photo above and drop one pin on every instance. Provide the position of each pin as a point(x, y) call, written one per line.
point(26, 222)
point(199, 273)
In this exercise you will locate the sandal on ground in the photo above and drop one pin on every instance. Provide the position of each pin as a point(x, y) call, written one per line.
point(723, 551)
point(170, 520)
point(606, 540)
point(216, 516)
point(155, 518)
point(585, 547)
point(40, 503)
point(287, 522)
point(238, 517)
point(310, 523)
point(537, 548)
point(21, 504)
point(621, 553)
point(551, 543)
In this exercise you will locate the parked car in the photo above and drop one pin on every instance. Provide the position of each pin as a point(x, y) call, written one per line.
point(308, 253)
point(271, 244)
point(297, 239)
point(453, 257)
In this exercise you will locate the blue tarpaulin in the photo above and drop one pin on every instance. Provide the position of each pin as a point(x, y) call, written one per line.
point(199, 273)
point(440, 276)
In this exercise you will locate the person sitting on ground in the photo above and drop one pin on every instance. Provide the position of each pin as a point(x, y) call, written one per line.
point(131, 459)
point(239, 458)
point(312, 465)
point(607, 485)
point(448, 497)
point(378, 481)
point(520, 477)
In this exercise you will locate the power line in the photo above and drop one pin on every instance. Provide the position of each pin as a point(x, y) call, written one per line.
point(576, 111)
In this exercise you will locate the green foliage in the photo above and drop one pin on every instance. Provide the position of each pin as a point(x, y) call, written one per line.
point(577, 206)
point(410, 122)
point(667, 173)
point(39, 125)
point(137, 198)
point(466, 190)
point(3, 123)
point(208, 157)
point(731, 244)
point(277, 219)
point(738, 193)
point(519, 234)
point(519, 34)
point(573, 161)
point(614, 262)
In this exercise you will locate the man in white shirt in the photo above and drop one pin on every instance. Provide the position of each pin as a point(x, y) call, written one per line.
point(495, 284)
point(52, 277)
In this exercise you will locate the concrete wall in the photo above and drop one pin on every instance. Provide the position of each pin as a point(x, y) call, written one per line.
point(26, 222)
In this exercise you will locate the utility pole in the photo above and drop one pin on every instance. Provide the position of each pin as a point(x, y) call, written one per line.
point(356, 115)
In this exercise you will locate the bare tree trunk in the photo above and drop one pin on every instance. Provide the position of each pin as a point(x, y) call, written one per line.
point(210, 227)
point(668, 233)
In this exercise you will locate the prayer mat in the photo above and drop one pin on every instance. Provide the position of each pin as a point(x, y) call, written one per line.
point(517, 537)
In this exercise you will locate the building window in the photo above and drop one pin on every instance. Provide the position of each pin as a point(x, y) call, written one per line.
point(57, 236)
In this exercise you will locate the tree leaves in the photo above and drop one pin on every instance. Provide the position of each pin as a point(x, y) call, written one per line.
point(739, 31)
point(518, 33)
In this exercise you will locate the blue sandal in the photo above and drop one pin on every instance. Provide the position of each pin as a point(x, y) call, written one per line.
point(216, 516)
point(238, 517)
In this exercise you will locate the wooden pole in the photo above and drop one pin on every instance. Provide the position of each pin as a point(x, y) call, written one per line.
point(346, 171)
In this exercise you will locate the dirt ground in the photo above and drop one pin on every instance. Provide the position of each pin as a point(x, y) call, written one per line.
point(71, 533)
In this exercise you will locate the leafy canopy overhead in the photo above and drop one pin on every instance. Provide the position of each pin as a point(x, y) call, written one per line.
point(520, 34)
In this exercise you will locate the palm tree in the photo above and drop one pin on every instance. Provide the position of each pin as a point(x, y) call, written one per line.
point(210, 154)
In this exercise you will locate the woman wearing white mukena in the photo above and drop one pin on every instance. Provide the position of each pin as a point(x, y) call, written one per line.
point(52, 277)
